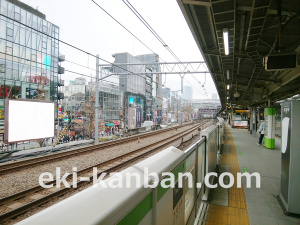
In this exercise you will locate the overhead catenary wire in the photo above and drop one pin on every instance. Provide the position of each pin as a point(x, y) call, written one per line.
point(95, 70)
point(123, 27)
point(70, 45)
point(77, 48)
point(114, 76)
point(140, 17)
point(146, 24)
point(106, 81)
point(92, 77)
point(136, 38)
point(81, 74)
point(130, 31)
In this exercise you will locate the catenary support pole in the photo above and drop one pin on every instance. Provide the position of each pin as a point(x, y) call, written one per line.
point(97, 101)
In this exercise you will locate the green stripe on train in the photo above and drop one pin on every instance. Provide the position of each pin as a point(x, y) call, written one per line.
point(136, 215)
point(160, 190)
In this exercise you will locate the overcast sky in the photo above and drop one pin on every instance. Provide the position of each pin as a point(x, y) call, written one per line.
point(87, 27)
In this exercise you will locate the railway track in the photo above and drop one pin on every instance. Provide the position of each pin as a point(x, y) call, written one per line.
point(37, 195)
point(20, 165)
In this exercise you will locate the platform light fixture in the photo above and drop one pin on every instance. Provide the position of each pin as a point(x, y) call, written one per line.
point(227, 74)
point(226, 41)
point(228, 97)
point(228, 86)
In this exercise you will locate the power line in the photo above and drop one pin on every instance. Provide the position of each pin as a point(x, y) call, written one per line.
point(129, 30)
point(79, 49)
point(140, 17)
point(70, 45)
point(123, 26)
point(95, 70)
point(80, 65)
point(146, 24)
point(81, 74)
point(89, 76)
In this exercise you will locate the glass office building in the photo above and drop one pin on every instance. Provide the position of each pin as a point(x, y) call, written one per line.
point(110, 100)
point(29, 52)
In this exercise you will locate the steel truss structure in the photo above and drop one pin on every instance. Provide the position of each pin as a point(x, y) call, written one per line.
point(180, 68)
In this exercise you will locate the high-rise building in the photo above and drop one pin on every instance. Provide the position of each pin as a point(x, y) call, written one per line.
point(142, 84)
point(157, 78)
point(29, 53)
point(187, 93)
point(129, 81)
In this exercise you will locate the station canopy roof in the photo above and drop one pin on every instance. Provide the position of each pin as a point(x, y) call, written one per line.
point(255, 29)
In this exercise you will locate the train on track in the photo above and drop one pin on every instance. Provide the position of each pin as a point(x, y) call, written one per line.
point(141, 203)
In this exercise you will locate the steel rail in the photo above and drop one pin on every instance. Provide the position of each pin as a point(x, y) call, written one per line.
point(124, 161)
point(18, 165)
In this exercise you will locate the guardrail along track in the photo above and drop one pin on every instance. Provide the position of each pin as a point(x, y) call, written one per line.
point(105, 167)
point(19, 165)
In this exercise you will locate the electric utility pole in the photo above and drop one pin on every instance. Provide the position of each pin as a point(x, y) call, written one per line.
point(97, 101)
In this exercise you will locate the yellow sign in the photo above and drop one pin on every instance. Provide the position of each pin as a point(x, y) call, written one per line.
point(241, 111)
point(1, 112)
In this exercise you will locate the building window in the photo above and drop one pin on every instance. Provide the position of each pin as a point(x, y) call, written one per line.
point(9, 50)
point(33, 57)
point(44, 45)
point(45, 29)
point(2, 68)
point(9, 34)
point(17, 16)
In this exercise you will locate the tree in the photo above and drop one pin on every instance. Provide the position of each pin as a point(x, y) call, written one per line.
point(41, 95)
point(88, 111)
point(187, 108)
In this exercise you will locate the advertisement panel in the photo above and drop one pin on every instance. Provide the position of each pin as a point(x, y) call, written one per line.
point(10, 92)
point(131, 117)
point(28, 120)
point(31, 93)
point(138, 117)
point(240, 123)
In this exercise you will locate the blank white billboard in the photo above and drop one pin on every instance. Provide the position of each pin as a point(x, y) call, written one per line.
point(28, 120)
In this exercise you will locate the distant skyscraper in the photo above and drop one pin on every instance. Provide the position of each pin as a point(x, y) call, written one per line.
point(214, 96)
point(187, 93)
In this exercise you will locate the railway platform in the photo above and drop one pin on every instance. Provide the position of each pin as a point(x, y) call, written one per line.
point(255, 206)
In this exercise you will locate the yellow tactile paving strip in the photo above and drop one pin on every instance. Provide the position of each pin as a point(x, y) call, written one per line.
point(236, 213)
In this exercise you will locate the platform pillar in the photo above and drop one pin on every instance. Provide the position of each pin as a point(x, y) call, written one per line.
point(269, 138)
